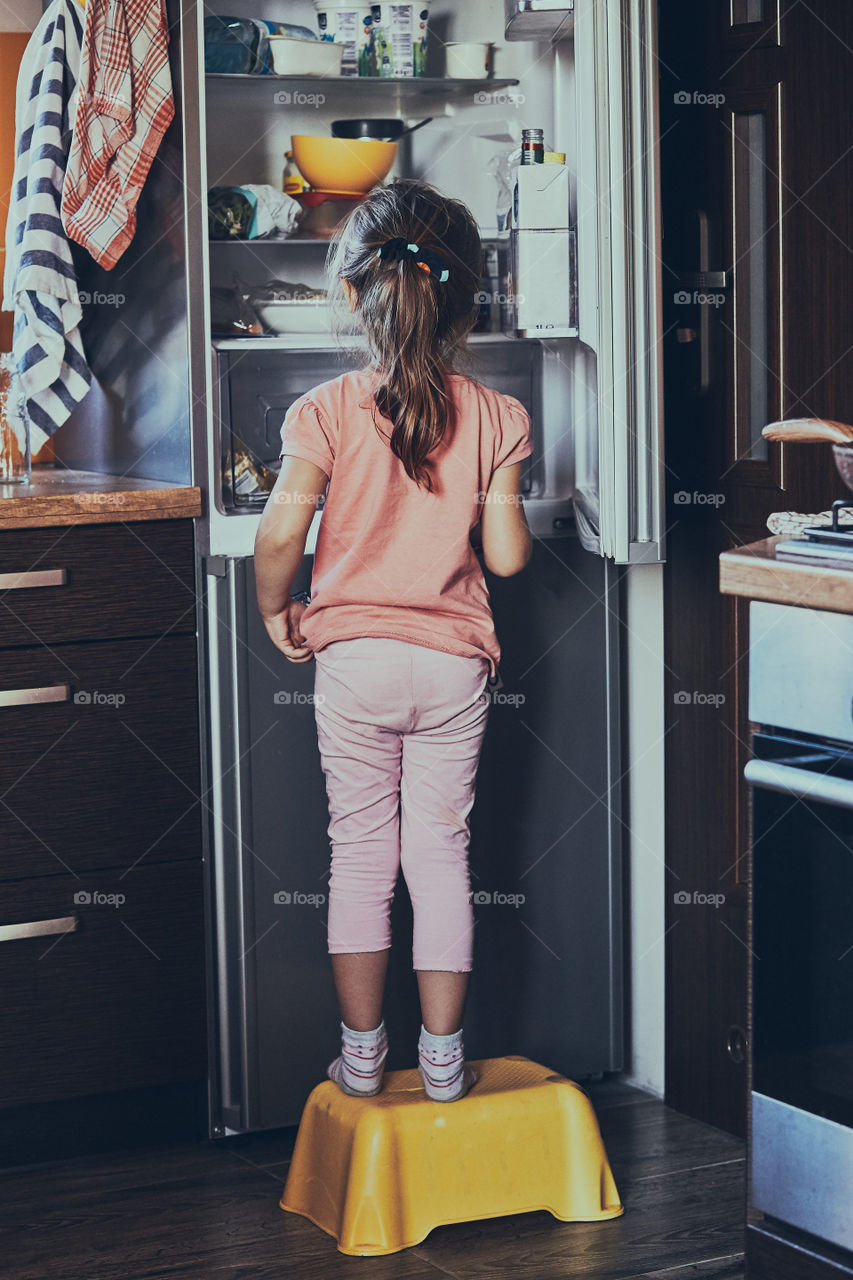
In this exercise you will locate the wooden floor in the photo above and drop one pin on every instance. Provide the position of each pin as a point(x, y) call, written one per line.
point(210, 1212)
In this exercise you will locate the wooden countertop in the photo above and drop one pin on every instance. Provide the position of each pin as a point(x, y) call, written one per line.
point(754, 571)
point(58, 496)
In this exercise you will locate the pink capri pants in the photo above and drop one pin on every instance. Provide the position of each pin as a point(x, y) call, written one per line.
point(400, 728)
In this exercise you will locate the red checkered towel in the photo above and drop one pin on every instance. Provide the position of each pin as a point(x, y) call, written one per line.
point(124, 106)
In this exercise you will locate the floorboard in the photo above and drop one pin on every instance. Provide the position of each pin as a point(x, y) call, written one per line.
point(209, 1211)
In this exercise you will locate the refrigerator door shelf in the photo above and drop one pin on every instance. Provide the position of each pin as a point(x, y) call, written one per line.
point(543, 296)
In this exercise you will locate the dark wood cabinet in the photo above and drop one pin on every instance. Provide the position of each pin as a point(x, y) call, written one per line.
point(108, 776)
point(118, 1002)
point(100, 813)
point(108, 582)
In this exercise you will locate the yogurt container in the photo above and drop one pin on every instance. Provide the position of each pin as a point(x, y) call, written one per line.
point(399, 39)
point(353, 28)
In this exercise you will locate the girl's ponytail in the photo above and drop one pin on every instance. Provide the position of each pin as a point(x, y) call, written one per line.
point(413, 259)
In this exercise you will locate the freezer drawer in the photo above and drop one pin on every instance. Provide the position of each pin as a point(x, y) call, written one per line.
point(257, 386)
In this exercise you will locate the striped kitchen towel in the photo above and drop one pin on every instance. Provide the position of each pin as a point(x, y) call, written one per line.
point(124, 107)
point(50, 374)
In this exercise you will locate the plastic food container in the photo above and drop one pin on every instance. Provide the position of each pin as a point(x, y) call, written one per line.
point(467, 61)
point(305, 57)
point(351, 27)
point(322, 214)
point(400, 39)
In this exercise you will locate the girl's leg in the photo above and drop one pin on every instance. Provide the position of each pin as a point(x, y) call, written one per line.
point(360, 983)
point(442, 1000)
point(439, 768)
point(360, 753)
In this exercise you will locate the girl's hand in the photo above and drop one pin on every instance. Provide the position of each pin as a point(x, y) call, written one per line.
point(284, 631)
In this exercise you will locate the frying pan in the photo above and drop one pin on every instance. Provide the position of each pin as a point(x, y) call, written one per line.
point(383, 130)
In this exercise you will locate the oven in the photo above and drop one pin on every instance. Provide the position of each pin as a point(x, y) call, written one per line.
point(801, 696)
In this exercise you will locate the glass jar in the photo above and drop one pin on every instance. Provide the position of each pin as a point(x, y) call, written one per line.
point(14, 431)
point(533, 146)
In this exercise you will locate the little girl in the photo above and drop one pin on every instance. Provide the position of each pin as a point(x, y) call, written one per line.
point(412, 457)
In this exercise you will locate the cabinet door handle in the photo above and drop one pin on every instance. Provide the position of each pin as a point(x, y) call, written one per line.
point(38, 928)
point(26, 697)
point(35, 578)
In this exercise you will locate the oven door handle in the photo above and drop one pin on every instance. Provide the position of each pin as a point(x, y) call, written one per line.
point(802, 783)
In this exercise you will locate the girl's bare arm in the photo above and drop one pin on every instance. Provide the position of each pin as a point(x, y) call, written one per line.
point(507, 544)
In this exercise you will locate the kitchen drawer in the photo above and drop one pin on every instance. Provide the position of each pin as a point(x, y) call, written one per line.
point(117, 1004)
point(109, 774)
point(801, 669)
point(119, 580)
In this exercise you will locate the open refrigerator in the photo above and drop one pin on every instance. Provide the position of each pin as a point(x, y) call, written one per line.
point(546, 829)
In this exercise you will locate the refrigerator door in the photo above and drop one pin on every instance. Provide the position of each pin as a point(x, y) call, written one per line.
point(619, 499)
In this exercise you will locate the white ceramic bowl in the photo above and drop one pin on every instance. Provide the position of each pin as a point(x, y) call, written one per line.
point(300, 316)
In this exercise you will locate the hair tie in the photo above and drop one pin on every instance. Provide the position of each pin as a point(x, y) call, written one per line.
point(399, 247)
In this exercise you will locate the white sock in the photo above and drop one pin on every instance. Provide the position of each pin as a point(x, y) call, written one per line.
point(360, 1067)
point(441, 1063)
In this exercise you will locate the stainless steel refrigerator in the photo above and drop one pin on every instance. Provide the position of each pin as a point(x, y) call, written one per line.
point(546, 852)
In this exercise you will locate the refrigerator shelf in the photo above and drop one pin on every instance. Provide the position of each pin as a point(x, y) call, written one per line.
point(322, 342)
point(408, 88)
point(302, 242)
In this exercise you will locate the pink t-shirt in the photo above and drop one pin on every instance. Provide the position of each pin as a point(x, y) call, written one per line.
point(393, 559)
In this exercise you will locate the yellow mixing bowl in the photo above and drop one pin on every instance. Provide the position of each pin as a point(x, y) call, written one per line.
point(342, 165)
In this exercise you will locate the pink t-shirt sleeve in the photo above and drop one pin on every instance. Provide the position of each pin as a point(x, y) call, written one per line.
point(304, 434)
point(513, 442)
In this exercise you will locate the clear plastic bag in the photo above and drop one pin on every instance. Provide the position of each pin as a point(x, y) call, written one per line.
point(239, 46)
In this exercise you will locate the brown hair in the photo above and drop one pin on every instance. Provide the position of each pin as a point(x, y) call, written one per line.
point(415, 324)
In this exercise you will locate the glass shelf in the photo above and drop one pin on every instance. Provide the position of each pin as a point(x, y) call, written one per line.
point(297, 242)
point(323, 342)
point(302, 242)
point(400, 88)
point(430, 84)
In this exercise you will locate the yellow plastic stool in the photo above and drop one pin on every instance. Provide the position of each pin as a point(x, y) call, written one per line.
point(379, 1173)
